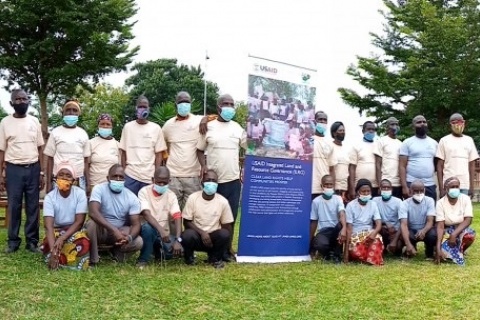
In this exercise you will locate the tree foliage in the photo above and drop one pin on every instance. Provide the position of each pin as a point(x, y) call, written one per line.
point(160, 81)
point(160, 113)
point(49, 47)
point(430, 65)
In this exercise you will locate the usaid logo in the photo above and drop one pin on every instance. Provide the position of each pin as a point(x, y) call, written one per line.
point(266, 69)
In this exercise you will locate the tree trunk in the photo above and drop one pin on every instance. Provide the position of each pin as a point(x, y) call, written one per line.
point(43, 115)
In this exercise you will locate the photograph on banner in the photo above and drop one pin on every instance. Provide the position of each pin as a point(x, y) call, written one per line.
point(281, 119)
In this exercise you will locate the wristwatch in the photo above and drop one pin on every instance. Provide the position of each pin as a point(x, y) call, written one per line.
point(179, 239)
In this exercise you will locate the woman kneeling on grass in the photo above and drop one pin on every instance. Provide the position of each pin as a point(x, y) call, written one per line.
point(454, 216)
point(364, 242)
point(64, 210)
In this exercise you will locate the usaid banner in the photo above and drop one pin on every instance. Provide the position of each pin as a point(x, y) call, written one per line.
point(276, 197)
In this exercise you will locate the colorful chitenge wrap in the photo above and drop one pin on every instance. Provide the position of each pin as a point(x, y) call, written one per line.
point(75, 254)
point(362, 250)
point(464, 240)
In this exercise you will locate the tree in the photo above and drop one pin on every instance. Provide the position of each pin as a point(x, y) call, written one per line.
point(430, 65)
point(3, 113)
point(160, 113)
point(161, 80)
point(49, 47)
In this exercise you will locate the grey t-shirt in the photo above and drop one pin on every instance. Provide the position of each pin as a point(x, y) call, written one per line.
point(326, 211)
point(63, 210)
point(389, 210)
point(362, 217)
point(417, 213)
point(420, 153)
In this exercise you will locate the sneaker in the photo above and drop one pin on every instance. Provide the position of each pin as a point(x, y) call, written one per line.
point(429, 258)
point(218, 264)
point(228, 257)
point(32, 248)
point(189, 261)
point(11, 249)
point(141, 265)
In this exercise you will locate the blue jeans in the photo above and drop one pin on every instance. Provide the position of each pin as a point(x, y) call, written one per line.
point(134, 185)
point(152, 242)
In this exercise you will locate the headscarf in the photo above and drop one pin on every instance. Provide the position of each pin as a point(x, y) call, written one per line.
point(361, 183)
point(68, 166)
point(104, 116)
point(74, 103)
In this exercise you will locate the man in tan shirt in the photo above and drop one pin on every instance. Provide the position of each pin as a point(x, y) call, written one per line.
point(142, 145)
point(21, 144)
point(208, 222)
point(181, 135)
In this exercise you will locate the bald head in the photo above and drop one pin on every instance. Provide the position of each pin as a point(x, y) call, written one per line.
point(183, 96)
point(456, 116)
point(225, 99)
point(162, 172)
point(419, 118)
point(417, 186)
point(390, 121)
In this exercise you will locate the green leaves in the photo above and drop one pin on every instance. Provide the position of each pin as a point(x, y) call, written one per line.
point(430, 65)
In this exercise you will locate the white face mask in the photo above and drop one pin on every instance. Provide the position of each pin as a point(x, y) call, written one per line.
point(419, 197)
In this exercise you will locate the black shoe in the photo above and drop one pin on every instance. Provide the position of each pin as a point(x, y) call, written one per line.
point(11, 249)
point(228, 257)
point(190, 261)
point(32, 248)
point(218, 264)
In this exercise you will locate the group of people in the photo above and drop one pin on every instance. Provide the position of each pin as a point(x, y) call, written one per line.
point(175, 190)
point(126, 196)
point(380, 195)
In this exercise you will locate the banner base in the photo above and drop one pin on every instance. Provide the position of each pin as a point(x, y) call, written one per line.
point(276, 259)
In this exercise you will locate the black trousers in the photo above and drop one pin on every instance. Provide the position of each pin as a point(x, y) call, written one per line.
point(326, 241)
point(430, 240)
point(192, 241)
point(23, 180)
point(397, 192)
point(231, 191)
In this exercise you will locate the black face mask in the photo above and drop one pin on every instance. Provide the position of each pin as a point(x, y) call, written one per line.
point(340, 137)
point(20, 108)
point(421, 131)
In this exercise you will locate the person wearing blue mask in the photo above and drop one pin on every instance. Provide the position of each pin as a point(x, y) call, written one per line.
point(389, 205)
point(114, 218)
point(417, 217)
point(104, 151)
point(68, 143)
point(327, 218)
point(222, 144)
point(417, 159)
point(159, 205)
point(364, 223)
point(324, 159)
point(454, 218)
point(181, 135)
point(208, 222)
point(142, 147)
point(362, 160)
point(386, 150)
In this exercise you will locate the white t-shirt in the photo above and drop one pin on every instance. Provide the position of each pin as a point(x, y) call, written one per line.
point(457, 152)
point(181, 137)
point(141, 142)
point(68, 145)
point(104, 154)
point(323, 159)
point(63, 210)
point(389, 149)
point(20, 139)
point(453, 215)
point(207, 215)
point(161, 207)
point(342, 154)
point(222, 143)
point(362, 156)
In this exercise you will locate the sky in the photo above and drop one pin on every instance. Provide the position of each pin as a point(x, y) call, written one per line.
point(324, 35)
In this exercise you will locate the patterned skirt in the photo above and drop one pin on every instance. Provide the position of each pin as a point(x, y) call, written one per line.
point(464, 240)
point(75, 254)
point(364, 250)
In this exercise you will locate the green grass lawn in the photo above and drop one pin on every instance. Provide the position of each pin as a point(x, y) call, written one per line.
point(413, 289)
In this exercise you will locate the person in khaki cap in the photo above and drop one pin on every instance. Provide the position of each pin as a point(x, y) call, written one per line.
point(21, 144)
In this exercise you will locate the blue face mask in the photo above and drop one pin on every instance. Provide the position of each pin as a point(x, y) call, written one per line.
point(366, 198)
point(142, 113)
point(104, 132)
point(328, 193)
point(369, 136)
point(183, 109)
point(210, 188)
point(160, 189)
point(386, 194)
point(70, 121)
point(454, 193)
point(117, 186)
point(227, 113)
point(321, 128)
